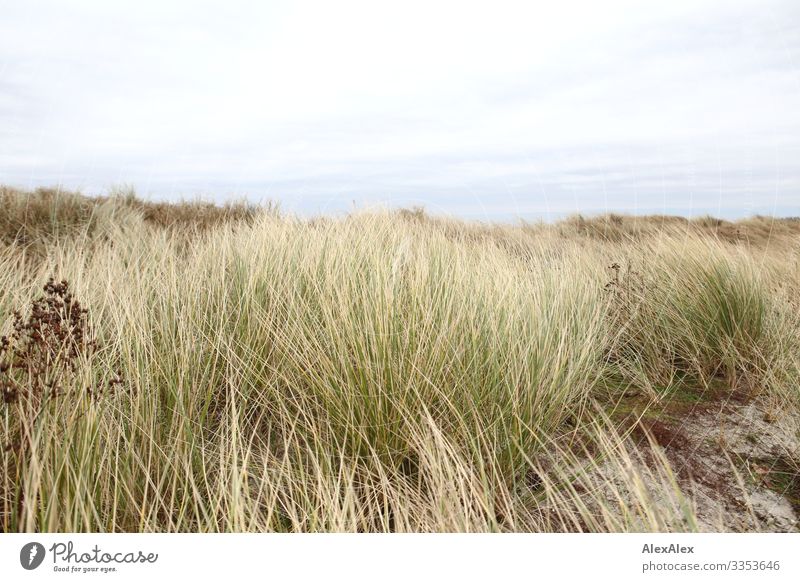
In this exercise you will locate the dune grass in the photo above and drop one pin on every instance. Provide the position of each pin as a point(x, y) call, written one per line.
point(377, 372)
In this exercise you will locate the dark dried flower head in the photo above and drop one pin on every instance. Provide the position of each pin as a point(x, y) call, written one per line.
point(41, 356)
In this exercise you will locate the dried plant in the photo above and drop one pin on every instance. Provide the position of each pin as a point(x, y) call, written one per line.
point(40, 360)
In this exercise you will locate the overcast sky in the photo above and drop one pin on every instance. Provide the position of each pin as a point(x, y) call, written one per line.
point(485, 110)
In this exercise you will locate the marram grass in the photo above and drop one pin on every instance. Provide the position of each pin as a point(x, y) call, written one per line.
point(376, 372)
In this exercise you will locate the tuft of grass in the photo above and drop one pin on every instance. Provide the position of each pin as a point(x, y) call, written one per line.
point(379, 372)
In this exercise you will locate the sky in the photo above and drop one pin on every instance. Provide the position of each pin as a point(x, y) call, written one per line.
point(488, 110)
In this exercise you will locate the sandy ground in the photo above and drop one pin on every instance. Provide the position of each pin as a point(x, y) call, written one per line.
point(743, 465)
point(737, 461)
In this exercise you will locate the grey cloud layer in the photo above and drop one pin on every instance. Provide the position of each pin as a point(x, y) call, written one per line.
point(514, 110)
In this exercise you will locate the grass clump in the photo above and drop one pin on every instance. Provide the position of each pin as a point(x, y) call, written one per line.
point(379, 372)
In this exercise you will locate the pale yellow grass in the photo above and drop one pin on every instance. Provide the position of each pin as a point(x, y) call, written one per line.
point(383, 372)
